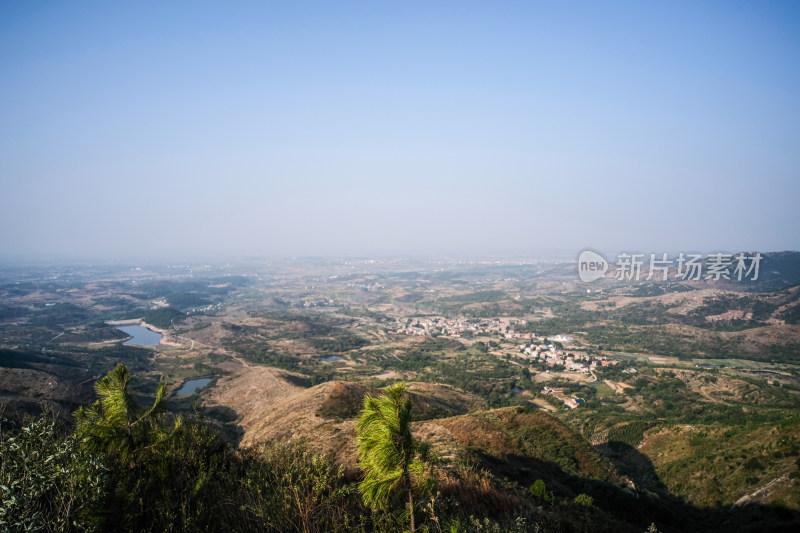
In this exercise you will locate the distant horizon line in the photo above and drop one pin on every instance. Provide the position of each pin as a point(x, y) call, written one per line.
point(34, 260)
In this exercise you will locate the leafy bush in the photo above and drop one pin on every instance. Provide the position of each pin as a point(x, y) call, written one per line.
point(46, 482)
point(539, 491)
point(753, 464)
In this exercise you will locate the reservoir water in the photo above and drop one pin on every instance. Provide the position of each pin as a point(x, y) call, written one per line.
point(192, 386)
point(141, 335)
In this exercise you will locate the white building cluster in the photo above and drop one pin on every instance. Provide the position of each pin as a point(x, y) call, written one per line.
point(552, 356)
point(457, 327)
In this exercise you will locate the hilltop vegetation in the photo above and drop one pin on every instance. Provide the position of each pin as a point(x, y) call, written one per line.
point(179, 475)
point(489, 471)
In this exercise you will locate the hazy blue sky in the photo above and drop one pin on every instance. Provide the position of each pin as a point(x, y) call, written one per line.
point(181, 129)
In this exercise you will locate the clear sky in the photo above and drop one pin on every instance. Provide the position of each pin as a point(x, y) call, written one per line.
point(181, 129)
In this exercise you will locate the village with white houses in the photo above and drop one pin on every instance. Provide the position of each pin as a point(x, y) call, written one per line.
point(546, 352)
point(552, 357)
point(459, 327)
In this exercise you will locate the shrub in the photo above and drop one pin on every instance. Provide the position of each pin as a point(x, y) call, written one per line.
point(46, 482)
point(753, 464)
point(539, 491)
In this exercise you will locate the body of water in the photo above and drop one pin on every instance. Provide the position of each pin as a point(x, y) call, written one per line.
point(141, 335)
point(192, 386)
point(331, 358)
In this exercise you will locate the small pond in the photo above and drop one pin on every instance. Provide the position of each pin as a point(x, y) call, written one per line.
point(331, 358)
point(192, 386)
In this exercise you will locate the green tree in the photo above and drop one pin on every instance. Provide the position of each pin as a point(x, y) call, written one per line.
point(539, 491)
point(115, 424)
point(388, 452)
